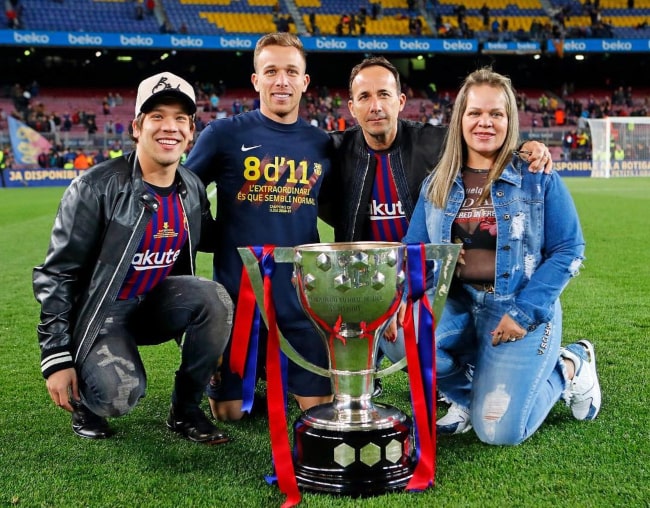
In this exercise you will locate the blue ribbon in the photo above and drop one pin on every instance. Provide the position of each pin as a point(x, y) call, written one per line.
point(417, 281)
point(250, 371)
point(268, 265)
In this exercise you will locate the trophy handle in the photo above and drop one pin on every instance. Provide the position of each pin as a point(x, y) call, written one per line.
point(446, 255)
point(251, 263)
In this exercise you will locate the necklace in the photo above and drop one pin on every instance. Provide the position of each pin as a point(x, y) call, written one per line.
point(472, 170)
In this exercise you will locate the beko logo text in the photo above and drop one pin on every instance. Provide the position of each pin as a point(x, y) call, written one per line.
point(136, 40)
point(574, 46)
point(92, 40)
point(186, 42)
point(331, 44)
point(235, 43)
point(457, 46)
point(417, 45)
point(373, 45)
point(32, 37)
point(617, 46)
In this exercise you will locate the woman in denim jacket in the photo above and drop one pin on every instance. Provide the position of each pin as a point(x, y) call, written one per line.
point(499, 357)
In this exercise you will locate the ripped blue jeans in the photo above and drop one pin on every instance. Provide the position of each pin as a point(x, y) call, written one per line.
point(508, 389)
point(196, 312)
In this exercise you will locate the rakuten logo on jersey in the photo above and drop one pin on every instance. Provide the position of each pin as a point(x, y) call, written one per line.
point(148, 260)
point(381, 209)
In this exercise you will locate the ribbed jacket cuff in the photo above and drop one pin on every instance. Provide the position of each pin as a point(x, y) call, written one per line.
point(55, 361)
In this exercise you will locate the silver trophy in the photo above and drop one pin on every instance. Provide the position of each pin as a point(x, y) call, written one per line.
point(350, 292)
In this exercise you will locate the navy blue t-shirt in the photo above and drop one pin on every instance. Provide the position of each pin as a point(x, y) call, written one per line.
point(268, 177)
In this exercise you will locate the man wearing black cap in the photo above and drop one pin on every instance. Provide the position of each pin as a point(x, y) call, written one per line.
point(119, 274)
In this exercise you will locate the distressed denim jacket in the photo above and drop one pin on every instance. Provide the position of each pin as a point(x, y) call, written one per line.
point(540, 245)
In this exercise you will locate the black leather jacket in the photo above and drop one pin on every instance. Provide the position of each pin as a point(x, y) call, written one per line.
point(98, 227)
point(413, 155)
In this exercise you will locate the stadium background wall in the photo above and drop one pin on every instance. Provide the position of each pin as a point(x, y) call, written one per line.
point(63, 67)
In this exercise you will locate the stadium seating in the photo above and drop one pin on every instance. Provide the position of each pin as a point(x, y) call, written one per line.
point(206, 17)
point(213, 17)
point(86, 16)
point(394, 18)
point(520, 14)
point(625, 22)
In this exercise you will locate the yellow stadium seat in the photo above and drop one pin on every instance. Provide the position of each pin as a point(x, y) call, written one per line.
point(205, 2)
point(301, 4)
point(240, 22)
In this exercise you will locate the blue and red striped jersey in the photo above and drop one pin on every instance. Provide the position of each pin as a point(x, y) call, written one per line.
point(160, 246)
point(388, 222)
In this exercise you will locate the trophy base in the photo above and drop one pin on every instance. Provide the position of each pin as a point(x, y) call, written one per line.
point(366, 461)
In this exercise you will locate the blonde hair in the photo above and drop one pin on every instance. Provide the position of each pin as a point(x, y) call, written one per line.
point(455, 151)
point(284, 39)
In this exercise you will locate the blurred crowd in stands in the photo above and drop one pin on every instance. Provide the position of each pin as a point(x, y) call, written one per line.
point(31, 111)
point(14, 13)
point(104, 134)
point(425, 17)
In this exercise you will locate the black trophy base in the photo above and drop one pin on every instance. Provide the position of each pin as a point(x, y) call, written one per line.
point(357, 463)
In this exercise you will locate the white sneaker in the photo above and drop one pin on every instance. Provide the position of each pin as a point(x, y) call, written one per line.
point(456, 421)
point(583, 392)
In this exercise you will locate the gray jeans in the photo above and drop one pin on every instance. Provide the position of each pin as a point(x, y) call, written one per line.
point(196, 312)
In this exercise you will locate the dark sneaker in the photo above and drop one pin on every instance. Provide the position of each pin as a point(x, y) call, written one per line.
point(87, 424)
point(195, 426)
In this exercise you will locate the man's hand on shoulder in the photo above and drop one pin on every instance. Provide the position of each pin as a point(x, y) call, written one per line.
point(537, 155)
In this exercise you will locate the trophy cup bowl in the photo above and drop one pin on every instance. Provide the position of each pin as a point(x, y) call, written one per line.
point(350, 291)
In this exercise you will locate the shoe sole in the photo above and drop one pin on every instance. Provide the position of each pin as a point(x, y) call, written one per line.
point(106, 435)
point(454, 433)
point(596, 400)
point(181, 432)
point(211, 442)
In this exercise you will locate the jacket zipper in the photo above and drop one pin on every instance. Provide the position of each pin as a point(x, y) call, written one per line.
point(356, 212)
point(92, 322)
point(189, 234)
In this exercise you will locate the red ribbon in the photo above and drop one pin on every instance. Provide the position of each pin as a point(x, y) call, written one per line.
point(424, 473)
point(424, 404)
point(242, 326)
point(280, 447)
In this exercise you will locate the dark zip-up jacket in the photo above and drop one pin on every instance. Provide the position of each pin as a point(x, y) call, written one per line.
point(413, 155)
point(97, 230)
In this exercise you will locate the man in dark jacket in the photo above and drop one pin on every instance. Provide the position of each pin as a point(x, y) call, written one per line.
point(401, 151)
point(119, 274)
point(381, 163)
